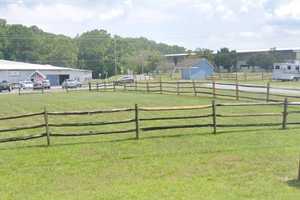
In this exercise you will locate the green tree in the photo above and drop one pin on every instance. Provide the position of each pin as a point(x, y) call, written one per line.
point(63, 52)
point(264, 61)
point(144, 61)
point(205, 53)
point(22, 44)
point(3, 38)
point(94, 47)
point(95, 50)
point(226, 59)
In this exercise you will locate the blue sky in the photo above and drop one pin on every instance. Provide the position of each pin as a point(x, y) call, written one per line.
point(237, 24)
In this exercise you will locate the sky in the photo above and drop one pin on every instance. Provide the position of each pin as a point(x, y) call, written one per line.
point(213, 24)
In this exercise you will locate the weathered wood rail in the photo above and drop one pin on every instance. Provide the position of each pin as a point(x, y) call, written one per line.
point(136, 124)
point(212, 89)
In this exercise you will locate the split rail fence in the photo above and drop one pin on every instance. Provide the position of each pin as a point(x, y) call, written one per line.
point(204, 88)
point(242, 76)
point(136, 124)
point(213, 89)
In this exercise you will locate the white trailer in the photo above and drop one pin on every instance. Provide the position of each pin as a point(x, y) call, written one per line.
point(286, 71)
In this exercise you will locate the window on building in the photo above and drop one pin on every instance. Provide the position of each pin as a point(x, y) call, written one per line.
point(277, 67)
point(289, 67)
point(297, 68)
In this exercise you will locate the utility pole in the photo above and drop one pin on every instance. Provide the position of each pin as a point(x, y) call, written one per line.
point(115, 55)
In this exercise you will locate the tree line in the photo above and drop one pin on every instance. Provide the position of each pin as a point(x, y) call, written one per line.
point(96, 50)
point(228, 59)
point(104, 54)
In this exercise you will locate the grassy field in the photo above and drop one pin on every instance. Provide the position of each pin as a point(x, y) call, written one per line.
point(174, 164)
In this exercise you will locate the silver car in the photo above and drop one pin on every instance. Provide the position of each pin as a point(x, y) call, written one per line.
point(70, 83)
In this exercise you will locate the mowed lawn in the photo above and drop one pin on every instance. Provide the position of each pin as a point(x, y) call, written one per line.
point(243, 163)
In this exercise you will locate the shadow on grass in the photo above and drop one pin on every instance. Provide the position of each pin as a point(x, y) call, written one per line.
point(146, 137)
point(294, 183)
point(66, 144)
point(249, 130)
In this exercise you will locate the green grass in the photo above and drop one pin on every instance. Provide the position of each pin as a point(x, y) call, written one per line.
point(175, 164)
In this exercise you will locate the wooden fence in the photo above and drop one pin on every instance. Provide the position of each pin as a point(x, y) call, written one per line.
point(135, 124)
point(212, 89)
point(242, 76)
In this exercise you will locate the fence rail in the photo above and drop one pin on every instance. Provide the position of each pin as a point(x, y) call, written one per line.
point(212, 89)
point(245, 76)
point(135, 124)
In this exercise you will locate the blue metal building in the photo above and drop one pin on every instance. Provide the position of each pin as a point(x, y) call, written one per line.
point(198, 71)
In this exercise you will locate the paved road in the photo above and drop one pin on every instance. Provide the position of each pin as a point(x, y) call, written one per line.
point(259, 89)
point(253, 88)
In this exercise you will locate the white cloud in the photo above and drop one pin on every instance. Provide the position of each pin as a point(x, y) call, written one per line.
point(289, 10)
point(59, 12)
point(241, 24)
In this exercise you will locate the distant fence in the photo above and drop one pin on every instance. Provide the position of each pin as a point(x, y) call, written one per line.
point(135, 124)
point(212, 89)
point(228, 76)
point(242, 76)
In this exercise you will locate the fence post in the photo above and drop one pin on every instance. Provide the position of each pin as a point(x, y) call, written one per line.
point(47, 125)
point(136, 85)
point(285, 113)
point(214, 116)
point(104, 85)
point(114, 86)
point(214, 89)
point(137, 128)
point(90, 86)
point(125, 86)
point(19, 90)
point(236, 76)
point(160, 86)
point(43, 89)
point(194, 87)
point(268, 91)
point(178, 92)
point(299, 171)
point(147, 85)
point(245, 76)
point(97, 86)
point(237, 91)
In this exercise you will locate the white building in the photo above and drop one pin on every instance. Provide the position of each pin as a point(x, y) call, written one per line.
point(286, 71)
point(18, 71)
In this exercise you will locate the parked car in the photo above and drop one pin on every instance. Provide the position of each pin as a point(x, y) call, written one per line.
point(4, 85)
point(26, 84)
point(45, 84)
point(70, 83)
point(125, 79)
point(15, 86)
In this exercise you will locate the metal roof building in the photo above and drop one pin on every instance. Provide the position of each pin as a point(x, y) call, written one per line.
point(19, 71)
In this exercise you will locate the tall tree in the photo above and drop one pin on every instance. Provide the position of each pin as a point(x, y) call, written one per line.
point(3, 38)
point(22, 44)
point(226, 58)
point(205, 53)
point(264, 61)
point(95, 50)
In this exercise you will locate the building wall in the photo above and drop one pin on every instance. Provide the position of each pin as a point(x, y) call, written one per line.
point(199, 71)
point(196, 73)
point(53, 75)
